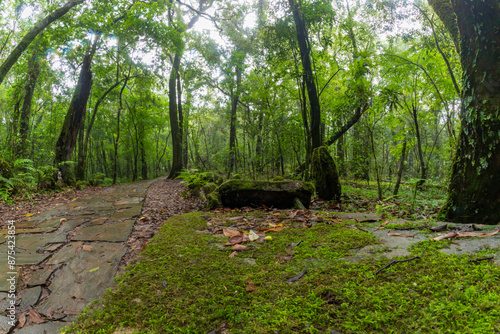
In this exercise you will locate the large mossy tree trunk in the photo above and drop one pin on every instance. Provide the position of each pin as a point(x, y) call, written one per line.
point(474, 191)
point(325, 175)
point(305, 51)
point(174, 118)
point(73, 120)
point(235, 97)
point(25, 115)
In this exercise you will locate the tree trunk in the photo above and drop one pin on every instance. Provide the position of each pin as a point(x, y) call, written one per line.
point(174, 119)
point(401, 169)
point(423, 168)
point(117, 138)
point(474, 192)
point(305, 51)
point(25, 115)
point(30, 36)
point(232, 131)
point(73, 120)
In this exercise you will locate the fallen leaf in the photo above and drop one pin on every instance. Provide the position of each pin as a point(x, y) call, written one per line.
point(71, 312)
point(235, 218)
point(252, 236)
point(21, 320)
point(250, 286)
point(237, 239)
point(87, 248)
point(446, 236)
point(35, 317)
point(268, 238)
point(404, 235)
point(239, 247)
point(233, 254)
point(231, 233)
point(28, 215)
point(276, 214)
point(93, 269)
point(62, 220)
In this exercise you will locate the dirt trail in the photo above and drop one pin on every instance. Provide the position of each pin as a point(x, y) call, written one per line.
point(67, 256)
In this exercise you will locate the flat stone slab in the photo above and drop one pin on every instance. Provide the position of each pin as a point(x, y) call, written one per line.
point(22, 257)
point(89, 270)
point(4, 325)
point(5, 274)
point(113, 232)
point(130, 200)
point(46, 328)
point(29, 297)
point(41, 276)
point(393, 246)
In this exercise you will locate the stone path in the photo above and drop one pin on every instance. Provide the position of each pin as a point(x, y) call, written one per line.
point(70, 255)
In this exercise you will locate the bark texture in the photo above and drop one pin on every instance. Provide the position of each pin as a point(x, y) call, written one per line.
point(73, 120)
point(474, 192)
point(174, 119)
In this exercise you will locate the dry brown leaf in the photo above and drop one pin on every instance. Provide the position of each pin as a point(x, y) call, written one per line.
point(231, 233)
point(235, 218)
point(474, 234)
point(250, 286)
point(233, 254)
point(35, 317)
point(404, 235)
point(236, 240)
point(446, 236)
point(21, 320)
point(87, 248)
point(239, 247)
point(62, 220)
point(71, 312)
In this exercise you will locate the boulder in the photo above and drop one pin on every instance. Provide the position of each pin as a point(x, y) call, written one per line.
point(277, 194)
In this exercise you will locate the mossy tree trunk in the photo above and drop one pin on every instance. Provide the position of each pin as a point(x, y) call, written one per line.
point(474, 191)
point(325, 175)
point(25, 115)
point(73, 120)
point(175, 124)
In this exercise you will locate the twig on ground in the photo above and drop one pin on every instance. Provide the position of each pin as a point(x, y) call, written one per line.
point(483, 259)
point(398, 261)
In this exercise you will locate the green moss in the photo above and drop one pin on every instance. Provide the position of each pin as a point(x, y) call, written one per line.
point(183, 283)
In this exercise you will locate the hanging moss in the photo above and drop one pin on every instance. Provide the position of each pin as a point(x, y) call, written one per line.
point(325, 175)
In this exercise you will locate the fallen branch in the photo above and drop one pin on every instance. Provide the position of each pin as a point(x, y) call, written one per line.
point(398, 261)
point(483, 259)
point(297, 277)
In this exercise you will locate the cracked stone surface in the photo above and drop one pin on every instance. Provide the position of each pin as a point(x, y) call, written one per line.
point(73, 253)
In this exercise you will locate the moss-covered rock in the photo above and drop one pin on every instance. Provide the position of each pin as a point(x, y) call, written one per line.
point(213, 200)
point(324, 174)
point(278, 194)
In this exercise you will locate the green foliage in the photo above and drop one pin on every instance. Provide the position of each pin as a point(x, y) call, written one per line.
point(97, 179)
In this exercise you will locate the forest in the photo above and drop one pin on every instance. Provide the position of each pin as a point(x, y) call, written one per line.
point(105, 92)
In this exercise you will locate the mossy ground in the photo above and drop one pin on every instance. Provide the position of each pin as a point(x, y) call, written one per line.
point(185, 283)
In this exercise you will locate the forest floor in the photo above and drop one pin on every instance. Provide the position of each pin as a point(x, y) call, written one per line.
point(365, 266)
